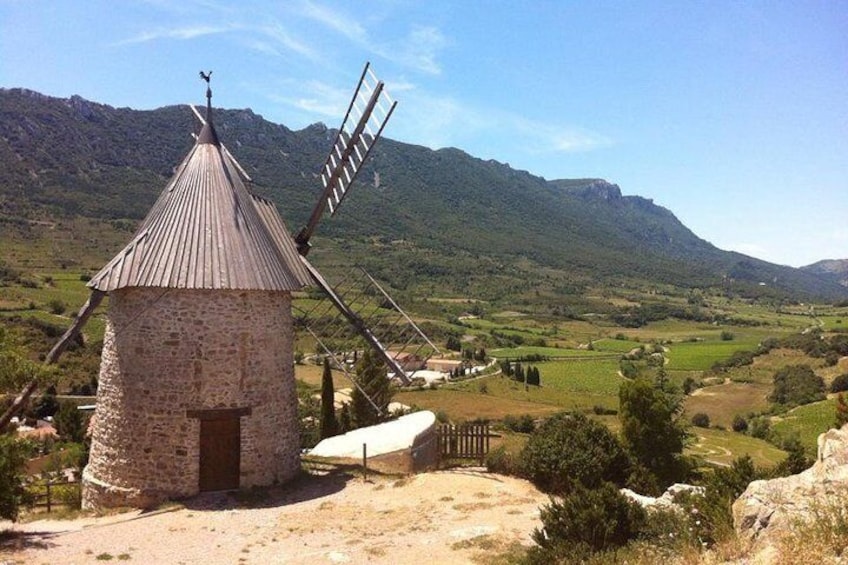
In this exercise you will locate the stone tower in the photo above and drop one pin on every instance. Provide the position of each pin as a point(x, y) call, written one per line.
point(197, 388)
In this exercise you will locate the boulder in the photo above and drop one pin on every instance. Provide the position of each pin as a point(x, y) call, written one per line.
point(768, 508)
point(668, 498)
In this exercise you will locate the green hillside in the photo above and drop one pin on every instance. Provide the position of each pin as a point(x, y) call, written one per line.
point(75, 176)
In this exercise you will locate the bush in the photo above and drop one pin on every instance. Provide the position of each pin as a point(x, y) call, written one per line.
point(568, 449)
point(795, 385)
point(501, 461)
point(761, 428)
point(689, 385)
point(727, 335)
point(721, 488)
point(522, 424)
point(740, 424)
point(586, 522)
point(629, 369)
point(56, 306)
point(840, 383)
point(701, 420)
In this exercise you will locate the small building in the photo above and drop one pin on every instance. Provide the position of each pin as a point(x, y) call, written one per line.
point(197, 389)
point(443, 365)
point(408, 361)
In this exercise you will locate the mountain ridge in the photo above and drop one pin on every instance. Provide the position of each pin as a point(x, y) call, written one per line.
point(440, 214)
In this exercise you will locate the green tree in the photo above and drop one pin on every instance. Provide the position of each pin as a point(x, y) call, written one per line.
point(570, 449)
point(652, 429)
point(12, 492)
point(329, 423)
point(71, 423)
point(345, 424)
point(795, 385)
point(373, 385)
point(46, 405)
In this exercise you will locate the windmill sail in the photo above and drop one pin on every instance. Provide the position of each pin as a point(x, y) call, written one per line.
point(367, 115)
point(373, 315)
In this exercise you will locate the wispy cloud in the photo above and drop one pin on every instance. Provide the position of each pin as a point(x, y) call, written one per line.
point(284, 38)
point(337, 21)
point(440, 121)
point(418, 50)
point(181, 33)
point(315, 98)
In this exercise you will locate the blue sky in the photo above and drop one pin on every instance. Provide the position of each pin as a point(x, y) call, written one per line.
point(734, 115)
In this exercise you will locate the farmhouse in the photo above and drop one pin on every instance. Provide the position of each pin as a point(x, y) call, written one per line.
point(197, 387)
point(443, 365)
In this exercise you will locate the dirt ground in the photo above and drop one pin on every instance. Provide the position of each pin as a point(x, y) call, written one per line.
point(454, 516)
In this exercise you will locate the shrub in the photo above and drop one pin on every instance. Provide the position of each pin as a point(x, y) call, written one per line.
point(727, 335)
point(701, 419)
point(721, 488)
point(586, 522)
point(501, 461)
point(760, 427)
point(840, 383)
point(629, 369)
point(795, 385)
point(740, 424)
point(568, 449)
point(56, 306)
point(522, 424)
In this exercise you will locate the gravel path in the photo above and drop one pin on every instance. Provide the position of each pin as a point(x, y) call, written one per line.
point(451, 516)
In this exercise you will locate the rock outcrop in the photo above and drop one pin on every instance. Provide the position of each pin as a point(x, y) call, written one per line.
point(768, 508)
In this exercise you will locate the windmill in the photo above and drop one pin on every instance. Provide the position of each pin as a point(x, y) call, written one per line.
point(196, 378)
point(367, 115)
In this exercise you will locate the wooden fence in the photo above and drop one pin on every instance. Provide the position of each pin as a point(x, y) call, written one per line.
point(47, 495)
point(464, 441)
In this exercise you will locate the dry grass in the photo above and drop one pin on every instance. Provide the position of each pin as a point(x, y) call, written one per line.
point(463, 406)
point(822, 539)
point(723, 402)
point(311, 375)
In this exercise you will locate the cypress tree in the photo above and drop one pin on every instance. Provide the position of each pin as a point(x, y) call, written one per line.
point(329, 424)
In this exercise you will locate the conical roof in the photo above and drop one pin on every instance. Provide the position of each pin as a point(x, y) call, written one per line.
point(207, 231)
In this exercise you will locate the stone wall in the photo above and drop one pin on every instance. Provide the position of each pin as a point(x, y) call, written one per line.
point(170, 353)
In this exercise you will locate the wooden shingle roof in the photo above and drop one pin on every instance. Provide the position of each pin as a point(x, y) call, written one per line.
point(207, 231)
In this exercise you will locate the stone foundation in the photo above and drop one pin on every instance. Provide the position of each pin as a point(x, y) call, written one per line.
point(169, 355)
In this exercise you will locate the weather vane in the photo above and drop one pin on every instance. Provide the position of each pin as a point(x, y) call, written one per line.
point(207, 77)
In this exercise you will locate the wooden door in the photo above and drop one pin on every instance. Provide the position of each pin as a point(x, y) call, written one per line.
point(220, 454)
